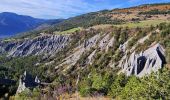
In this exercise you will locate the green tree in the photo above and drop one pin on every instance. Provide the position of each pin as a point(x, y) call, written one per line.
point(118, 85)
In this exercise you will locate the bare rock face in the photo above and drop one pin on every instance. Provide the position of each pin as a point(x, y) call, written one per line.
point(72, 59)
point(90, 57)
point(110, 44)
point(103, 43)
point(144, 63)
point(91, 42)
point(26, 82)
point(49, 44)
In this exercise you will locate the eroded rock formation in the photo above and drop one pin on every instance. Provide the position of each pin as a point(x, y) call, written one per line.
point(144, 63)
point(49, 44)
point(73, 58)
point(27, 81)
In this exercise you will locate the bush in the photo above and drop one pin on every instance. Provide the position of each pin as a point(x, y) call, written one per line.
point(162, 26)
point(102, 82)
point(118, 55)
point(154, 86)
point(155, 12)
point(85, 87)
point(28, 95)
point(98, 82)
point(134, 89)
point(123, 37)
point(168, 55)
point(165, 32)
point(132, 42)
point(118, 85)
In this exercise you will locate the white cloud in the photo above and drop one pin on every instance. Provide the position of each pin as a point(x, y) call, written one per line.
point(64, 8)
point(51, 8)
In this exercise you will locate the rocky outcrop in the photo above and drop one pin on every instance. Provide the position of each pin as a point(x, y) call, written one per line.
point(90, 57)
point(48, 44)
point(27, 81)
point(73, 58)
point(91, 42)
point(144, 63)
point(110, 44)
point(103, 43)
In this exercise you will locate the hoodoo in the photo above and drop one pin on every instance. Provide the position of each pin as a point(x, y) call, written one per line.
point(144, 63)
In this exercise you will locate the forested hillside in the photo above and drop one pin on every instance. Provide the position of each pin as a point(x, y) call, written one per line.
point(102, 55)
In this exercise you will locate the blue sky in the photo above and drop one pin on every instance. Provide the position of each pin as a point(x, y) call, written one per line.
point(52, 9)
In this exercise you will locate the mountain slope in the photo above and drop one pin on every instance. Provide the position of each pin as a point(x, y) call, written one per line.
point(11, 23)
point(112, 17)
point(117, 61)
point(95, 56)
point(115, 16)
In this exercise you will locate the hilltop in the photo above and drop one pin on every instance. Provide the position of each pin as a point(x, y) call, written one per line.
point(154, 13)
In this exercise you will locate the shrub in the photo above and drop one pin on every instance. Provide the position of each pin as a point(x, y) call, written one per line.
point(154, 86)
point(134, 89)
point(28, 95)
point(168, 55)
point(118, 85)
point(102, 82)
point(118, 55)
point(85, 88)
point(165, 32)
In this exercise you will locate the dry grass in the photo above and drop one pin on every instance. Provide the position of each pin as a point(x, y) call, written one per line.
point(76, 96)
point(69, 31)
point(168, 66)
point(144, 8)
point(101, 26)
point(145, 23)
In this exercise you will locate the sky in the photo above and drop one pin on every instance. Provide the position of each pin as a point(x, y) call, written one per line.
point(54, 9)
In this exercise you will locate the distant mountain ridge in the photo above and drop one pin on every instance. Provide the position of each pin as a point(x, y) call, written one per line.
point(11, 23)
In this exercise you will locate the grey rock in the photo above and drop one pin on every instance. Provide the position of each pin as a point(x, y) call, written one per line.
point(103, 43)
point(110, 44)
point(90, 57)
point(72, 59)
point(27, 81)
point(144, 63)
point(91, 42)
point(48, 44)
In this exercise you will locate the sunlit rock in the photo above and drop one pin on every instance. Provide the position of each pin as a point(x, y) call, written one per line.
point(144, 63)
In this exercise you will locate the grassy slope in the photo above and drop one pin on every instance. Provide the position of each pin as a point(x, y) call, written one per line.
point(146, 23)
point(69, 31)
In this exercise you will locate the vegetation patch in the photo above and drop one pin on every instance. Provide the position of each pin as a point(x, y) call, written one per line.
point(142, 24)
point(70, 31)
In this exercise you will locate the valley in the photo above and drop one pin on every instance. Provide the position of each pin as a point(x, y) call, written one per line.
point(12, 24)
point(111, 54)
